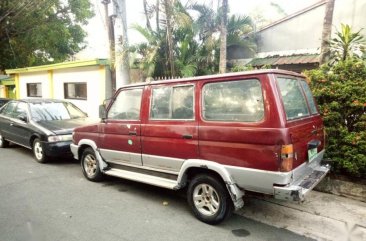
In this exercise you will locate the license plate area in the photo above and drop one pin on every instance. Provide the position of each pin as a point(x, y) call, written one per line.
point(312, 154)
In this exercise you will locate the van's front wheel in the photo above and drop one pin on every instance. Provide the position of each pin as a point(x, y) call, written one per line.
point(209, 199)
point(90, 165)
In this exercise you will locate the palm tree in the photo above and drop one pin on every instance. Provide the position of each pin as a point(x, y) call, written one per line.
point(347, 43)
point(237, 27)
point(195, 45)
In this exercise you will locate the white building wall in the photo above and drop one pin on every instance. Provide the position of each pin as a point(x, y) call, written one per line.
point(36, 77)
point(93, 77)
point(303, 33)
point(351, 12)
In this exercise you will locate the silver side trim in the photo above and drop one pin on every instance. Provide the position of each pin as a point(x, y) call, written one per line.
point(145, 168)
point(144, 178)
point(121, 157)
point(162, 162)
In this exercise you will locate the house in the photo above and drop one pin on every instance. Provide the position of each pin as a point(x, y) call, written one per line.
point(293, 43)
point(85, 83)
point(7, 87)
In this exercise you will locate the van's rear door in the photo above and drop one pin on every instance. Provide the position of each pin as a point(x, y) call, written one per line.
point(304, 123)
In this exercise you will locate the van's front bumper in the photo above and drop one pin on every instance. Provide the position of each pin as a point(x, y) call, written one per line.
point(305, 178)
point(75, 151)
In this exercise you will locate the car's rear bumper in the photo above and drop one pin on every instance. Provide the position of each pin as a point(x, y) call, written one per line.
point(305, 178)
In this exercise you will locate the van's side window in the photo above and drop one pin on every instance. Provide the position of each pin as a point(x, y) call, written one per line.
point(233, 101)
point(172, 103)
point(293, 98)
point(127, 105)
point(309, 96)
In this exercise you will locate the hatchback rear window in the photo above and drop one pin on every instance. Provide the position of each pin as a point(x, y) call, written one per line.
point(294, 101)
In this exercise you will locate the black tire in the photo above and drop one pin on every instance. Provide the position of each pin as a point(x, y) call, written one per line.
point(213, 203)
point(3, 143)
point(38, 151)
point(90, 165)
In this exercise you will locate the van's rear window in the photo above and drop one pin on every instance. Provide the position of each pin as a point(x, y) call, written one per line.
point(293, 98)
point(233, 101)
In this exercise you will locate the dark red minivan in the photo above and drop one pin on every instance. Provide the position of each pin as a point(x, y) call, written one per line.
point(219, 135)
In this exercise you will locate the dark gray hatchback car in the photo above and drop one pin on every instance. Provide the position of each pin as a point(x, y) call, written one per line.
point(43, 125)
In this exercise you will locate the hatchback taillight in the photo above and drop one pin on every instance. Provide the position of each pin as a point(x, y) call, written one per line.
point(287, 158)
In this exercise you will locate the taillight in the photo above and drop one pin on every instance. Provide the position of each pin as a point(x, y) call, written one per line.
point(287, 158)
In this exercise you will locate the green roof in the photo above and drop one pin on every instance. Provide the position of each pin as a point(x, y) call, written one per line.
point(64, 65)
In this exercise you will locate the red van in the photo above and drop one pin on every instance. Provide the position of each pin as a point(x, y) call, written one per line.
point(219, 135)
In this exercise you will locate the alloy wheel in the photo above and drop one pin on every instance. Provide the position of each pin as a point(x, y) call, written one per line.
point(206, 199)
point(90, 165)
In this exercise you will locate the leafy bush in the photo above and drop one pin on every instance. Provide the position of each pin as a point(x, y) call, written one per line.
point(340, 91)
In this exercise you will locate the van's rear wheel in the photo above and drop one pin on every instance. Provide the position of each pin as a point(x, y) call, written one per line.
point(209, 199)
point(90, 165)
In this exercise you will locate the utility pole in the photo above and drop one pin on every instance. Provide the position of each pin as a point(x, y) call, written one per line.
point(121, 45)
point(109, 20)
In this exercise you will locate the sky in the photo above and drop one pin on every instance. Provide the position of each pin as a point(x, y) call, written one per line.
point(97, 40)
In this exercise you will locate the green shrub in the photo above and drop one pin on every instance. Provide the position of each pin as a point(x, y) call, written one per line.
point(340, 91)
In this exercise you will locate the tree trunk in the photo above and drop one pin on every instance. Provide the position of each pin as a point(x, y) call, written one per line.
point(111, 41)
point(157, 10)
point(169, 36)
point(121, 48)
point(148, 25)
point(223, 33)
point(327, 32)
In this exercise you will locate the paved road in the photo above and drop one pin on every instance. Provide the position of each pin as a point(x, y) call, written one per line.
point(54, 202)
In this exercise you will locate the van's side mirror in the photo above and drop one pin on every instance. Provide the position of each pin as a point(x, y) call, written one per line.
point(102, 112)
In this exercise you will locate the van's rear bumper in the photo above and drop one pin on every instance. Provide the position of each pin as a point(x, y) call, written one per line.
point(305, 178)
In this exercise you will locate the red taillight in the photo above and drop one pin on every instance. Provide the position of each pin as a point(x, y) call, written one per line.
point(287, 158)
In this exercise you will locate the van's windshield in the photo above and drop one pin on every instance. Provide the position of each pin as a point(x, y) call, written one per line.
point(296, 97)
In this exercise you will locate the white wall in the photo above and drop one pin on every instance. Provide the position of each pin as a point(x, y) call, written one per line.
point(304, 31)
point(351, 12)
point(36, 77)
point(301, 32)
point(95, 81)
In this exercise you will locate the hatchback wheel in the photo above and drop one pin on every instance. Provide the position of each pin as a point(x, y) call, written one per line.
point(3, 143)
point(209, 199)
point(90, 165)
point(38, 151)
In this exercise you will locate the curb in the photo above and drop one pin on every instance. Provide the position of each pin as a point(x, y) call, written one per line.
point(342, 188)
point(321, 217)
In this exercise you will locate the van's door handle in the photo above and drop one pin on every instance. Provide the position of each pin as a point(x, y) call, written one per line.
point(187, 136)
point(11, 123)
point(132, 133)
point(314, 131)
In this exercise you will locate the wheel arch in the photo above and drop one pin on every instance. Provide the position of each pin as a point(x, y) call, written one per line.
point(32, 138)
point(195, 166)
point(85, 143)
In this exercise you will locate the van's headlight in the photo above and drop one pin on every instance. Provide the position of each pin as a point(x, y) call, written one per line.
point(60, 138)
